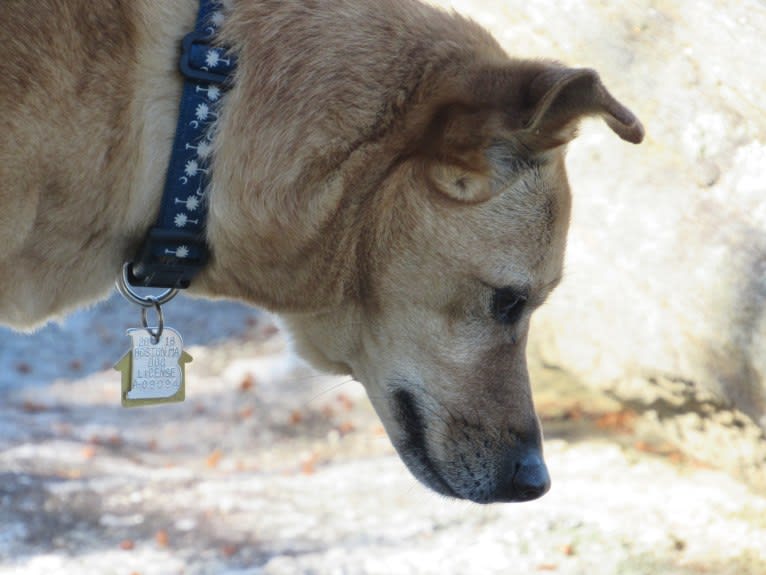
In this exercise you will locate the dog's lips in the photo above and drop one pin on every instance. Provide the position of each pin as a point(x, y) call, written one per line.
point(412, 446)
point(424, 469)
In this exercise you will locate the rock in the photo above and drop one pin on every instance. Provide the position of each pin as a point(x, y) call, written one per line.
point(664, 303)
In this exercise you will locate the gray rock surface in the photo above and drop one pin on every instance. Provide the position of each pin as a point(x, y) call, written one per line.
point(664, 301)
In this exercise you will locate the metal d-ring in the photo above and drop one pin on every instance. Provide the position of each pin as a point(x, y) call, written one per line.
point(123, 286)
point(146, 302)
point(156, 332)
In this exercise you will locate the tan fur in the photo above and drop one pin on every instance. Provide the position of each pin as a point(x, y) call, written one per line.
point(379, 168)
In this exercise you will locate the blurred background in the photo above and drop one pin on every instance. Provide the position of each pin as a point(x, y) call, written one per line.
point(649, 369)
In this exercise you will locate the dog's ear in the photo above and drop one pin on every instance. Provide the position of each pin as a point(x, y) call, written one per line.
point(501, 118)
point(561, 97)
point(458, 163)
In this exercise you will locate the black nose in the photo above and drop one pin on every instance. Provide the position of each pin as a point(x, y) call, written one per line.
point(523, 476)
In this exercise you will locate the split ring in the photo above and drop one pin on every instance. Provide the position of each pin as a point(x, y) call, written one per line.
point(156, 332)
point(124, 287)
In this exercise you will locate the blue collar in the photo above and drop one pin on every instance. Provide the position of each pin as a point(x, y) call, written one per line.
point(174, 250)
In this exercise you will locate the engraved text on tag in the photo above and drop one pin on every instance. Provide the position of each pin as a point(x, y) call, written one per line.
point(153, 372)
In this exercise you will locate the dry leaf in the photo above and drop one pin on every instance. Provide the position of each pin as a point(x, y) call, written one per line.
point(309, 464)
point(89, 452)
point(247, 383)
point(327, 411)
point(622, 421)
point(229, 550)
point(34, 407)
point(161, 538)
point(346, 427)
point(214, 459)
point(345, 401)
point(23, 367)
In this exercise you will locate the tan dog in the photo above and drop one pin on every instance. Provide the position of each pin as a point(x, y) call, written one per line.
point(385, 177)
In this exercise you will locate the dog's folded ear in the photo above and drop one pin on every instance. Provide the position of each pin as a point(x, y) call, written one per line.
point(499, 119)
point(561, 97)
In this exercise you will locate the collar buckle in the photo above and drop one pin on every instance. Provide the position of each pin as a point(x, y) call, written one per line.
point(202, 61)
point(168, 259)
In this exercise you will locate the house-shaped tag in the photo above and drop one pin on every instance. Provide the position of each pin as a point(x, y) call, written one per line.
point(152, 372)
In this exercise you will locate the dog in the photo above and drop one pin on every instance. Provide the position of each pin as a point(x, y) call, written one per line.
point(384, 177)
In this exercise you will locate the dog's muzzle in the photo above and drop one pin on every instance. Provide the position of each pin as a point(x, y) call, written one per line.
point(472, 464)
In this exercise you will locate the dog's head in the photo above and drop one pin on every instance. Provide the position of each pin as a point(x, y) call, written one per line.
point(463, 240)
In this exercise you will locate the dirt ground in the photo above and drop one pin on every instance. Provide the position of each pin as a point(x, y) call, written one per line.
point(270, 468)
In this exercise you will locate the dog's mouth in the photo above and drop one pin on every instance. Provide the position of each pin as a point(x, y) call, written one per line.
point(476, 466)
point(413, 448)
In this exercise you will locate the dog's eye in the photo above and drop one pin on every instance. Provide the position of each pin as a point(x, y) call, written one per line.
point(508, 305)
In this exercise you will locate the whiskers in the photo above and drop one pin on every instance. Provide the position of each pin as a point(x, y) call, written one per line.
point(334, 387)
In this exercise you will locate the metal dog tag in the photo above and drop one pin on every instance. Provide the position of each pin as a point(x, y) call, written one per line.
point(153, 370)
